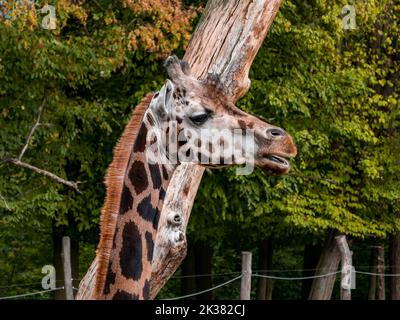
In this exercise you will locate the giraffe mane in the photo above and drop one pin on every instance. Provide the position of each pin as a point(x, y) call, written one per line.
point(114, 181)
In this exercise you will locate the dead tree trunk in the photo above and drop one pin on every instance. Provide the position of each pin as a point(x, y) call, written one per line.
point(225, 42)
point(264, 286)
point(322, 287)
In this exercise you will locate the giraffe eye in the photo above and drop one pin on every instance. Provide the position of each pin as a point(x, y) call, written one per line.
point(199, 118)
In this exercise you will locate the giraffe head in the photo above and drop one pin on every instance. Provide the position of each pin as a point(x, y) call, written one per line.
point(196, 121)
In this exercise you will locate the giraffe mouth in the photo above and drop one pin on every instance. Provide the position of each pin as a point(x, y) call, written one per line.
point(279, 160)
point(273, 164)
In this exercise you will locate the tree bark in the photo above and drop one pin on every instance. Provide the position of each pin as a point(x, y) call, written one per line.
point(377, 285)
point(264, 285)
point(225, 42)
point(322, 288)
point(372, 283)
point(311, 256)
point(380, 266)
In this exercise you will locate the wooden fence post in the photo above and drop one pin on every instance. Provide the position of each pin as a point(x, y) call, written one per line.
point(345, 285)
point(245, 284)
point(66, 257)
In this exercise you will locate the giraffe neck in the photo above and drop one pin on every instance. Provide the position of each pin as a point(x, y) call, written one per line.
point(127, 268)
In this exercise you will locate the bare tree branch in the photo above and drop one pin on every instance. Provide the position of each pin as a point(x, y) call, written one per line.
point(35, 125)
point(19, 163)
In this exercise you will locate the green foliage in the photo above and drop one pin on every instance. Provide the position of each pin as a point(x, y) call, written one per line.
point(89, 74)
point(336, 91)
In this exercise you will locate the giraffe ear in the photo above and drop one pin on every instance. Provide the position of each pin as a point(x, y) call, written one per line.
point(169, 90)
point(163, 99)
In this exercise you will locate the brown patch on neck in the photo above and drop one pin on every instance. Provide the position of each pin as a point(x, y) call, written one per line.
point(114, 182)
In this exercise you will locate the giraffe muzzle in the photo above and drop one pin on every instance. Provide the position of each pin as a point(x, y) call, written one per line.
point(273, 160)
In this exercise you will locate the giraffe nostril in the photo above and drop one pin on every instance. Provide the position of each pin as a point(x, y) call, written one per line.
point(276, 133)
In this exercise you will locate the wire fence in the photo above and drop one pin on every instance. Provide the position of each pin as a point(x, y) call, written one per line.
point(378, 274)
point(296, 278)
point(30, 294)
point(207, 290)
point(256, 274)
point(14, 285)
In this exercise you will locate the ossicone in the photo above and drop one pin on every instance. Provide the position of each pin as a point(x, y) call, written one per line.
point(177, 69)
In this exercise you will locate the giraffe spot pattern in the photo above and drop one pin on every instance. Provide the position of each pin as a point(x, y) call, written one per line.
point(242, 124)
point(123, 295)
point(150, 119)
point(181, 143)
point(146, 290)
point(150, 246)
point(130, 256)
point(156, 219)
point(138, 177)
point(146, 210)
point(110, 279)
point(126, 200)
point(140, 143)
point(155, 175)
point(162, 194)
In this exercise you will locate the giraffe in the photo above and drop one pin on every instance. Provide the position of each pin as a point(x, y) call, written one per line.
point(136, 186)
